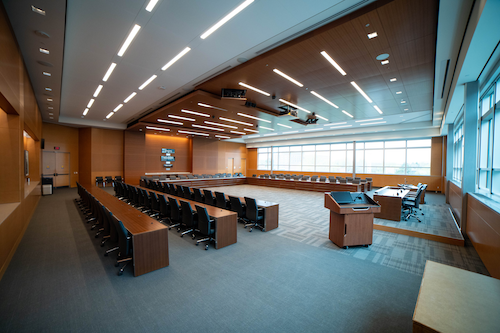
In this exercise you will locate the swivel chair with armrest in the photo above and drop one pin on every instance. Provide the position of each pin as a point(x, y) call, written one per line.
point(175, 213)
point(99, 180)
point(238, 207)
point(197, 195)
point(124, 245)
point(189, 219)
point(322, 178)
point(220, 200)
point(209, 198)
point(206, 226)
point(187, 193)
point(164, 208)
point(254, 215)
point(108, 180)
point(411, 204)
point(155, 204)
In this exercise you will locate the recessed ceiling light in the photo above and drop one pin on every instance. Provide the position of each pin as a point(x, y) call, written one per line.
point(378, 109)
point(334, 124)
point(361, 91)
point(48, 89)
point(334, 64)
point(151, 5)
point(372, 35)
point(324, 99)
point(182, 118)
point(250, 130)
point(284, 125)
point(129, 39)
point(379, 122)
point(288, 77)
point(85, 111)
point(406, 109)
point(210, 106)
point(177, 57)
point(403, 101)
point(235, 121)
point(385, 62)
point(267, 128)
point(254, 89)
point(393, 79)
point(51, 114)
point(130, 97)
point(347, 113)
point(169, 121)
point(295, 106)
point(118, 108)
point(398, 92)
point(38, 10)
point(196, 113)
point(226, 18)
point(46, 74)
point(208, 128)
point(290, 132)
point(51, 117)
point(108, 73)
point(252, 117)
point(147, 82)
point(217, 124)
point(195, 133)
point(236, 132)
point(45, 51)
point(110, 115)
point(223, 137)
point(50, 107)
point(313, 129)
point(90, 103)
point(98, 90)
point(270, 134)
point(158, 128)
point(49, 99)
point(365, 120)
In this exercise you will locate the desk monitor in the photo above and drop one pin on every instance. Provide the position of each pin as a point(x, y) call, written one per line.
point(342, 197)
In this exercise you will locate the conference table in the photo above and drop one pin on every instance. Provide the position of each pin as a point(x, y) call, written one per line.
point(149, 237)
point(390, 199)
point(225, 220)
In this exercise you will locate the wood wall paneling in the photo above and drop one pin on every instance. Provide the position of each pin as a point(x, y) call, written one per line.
point(455, 198)
point(134, 165)
point(153, 145)
point(12, 148)
point(211, 156)
point(84, 155)
point(106, 153)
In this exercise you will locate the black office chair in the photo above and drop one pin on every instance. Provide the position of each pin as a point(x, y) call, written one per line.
point(206, 226)
point(189, 219)
point(198, 196)
point(411, 204)
point(254, 215)
point(164, 208)
point(108, 180)
point(175, 213)
point(99, 180)
point(118, 179)
point(179, 191)
point(238, 207)
point(187, 193)
point(124, 245)
point(322, 178)
point(155, 204)
point(209, 198)
point(220, 200)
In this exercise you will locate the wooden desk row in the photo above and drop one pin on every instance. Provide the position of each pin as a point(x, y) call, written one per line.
point(306, 185)
point(149, 237)
point(208, 182)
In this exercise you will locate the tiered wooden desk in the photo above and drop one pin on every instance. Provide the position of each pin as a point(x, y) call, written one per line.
point(390, 199)
point(149, 237)
point(306, 185)
point(207, 182)
point(455, 300)
point(225, 220)
point(351, 224)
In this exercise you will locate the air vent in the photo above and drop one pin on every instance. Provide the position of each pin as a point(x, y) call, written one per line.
point(312, 27)
point(211, 76)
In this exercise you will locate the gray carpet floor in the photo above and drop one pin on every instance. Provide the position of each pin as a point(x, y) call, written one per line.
point(59, 281)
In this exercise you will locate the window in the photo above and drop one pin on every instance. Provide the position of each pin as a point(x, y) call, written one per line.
point(458, 149)
point(263, 158)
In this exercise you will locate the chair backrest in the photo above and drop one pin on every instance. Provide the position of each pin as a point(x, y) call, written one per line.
point(254, 176)
point(155, 205)
point(205, 224)
point(322, 178)
point(163, 177)
point(118, 178)
point(252, 210)
point(173, 191)
point(175, 213)
point(156, 177)
point(342, 180)
point(187, 193)
point(179, 191)
point(209, 198)
point(163, 205)
point(369, 179)
point(108, 179)
point(123, 237)
point(113, 233)
point(314, 178)
point(182, 177)
point(417, 197)
point(172, 177)
point(237, 206)
point(188, 218)
point(220, 200)
point(197, 195)
point(355, 181)
point(147, 199)
point(305, 178)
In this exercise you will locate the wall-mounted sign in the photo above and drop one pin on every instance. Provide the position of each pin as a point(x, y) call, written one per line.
point(167, 158)
point(167, 169)
point(169, 151)
point(167, 165)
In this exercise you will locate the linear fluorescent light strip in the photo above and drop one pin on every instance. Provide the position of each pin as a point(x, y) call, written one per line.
point(295, 106)
point(177, 57)
point(196, 133)
point(98, 90)
point(290, 132)
point(288, 77)
point(169, 121)
point(129, 39)
point(236, 132)
point(217, 124)
point(252, 117)
point(324, 99)
point(85, 111)
point(211, 106)
point(335, 124)
point(267, 128)
point(393, 79)
point(385, 62)
point(284, 125)
point(361, 92)
point(321, 117)
point(196, 113)
point(250, 130)
point(270, 134)
point(110, 115)
point(50, 107)
point(38, 10)
point(378, 110)
point(347, 113)
point(254, 89)
point(151, 5)
point(90, 103)
point(365, 120)
point(235, 121)
point(158, 128)
point(45, 51)
point(208, 128)
point(48, 89)
point(226, 18)
point(379, 122)
point(108, 73)
point(398, 92)
point(46, 74)
point(118, 108)
point(314, 129)
point(147, 82)
point(372, 35)
point(253, 136)
point(334, 64)
point(332, 128)
point(223, 137)
point(49, 99)
point(182, 118)
point(130, 97)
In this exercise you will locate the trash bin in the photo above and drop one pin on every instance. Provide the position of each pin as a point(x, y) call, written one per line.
point(47, 185)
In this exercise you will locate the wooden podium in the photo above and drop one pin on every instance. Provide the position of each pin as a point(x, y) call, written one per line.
point(352, 223)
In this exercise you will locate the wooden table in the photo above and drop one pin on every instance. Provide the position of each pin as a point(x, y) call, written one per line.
point(306, 185)
point(207, 182)
point(271, 210)
point(390, 200)
point(456, 300)
point(225, 220)
point(149, 237)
